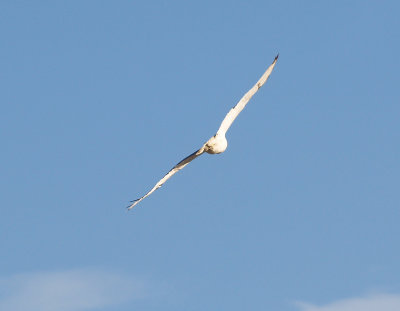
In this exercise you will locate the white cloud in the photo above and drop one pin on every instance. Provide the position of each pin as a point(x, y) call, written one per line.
point(72, 290)
point(381, 302)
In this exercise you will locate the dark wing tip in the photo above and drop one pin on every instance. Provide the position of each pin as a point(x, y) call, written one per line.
point(132, 205)
point(276, 57)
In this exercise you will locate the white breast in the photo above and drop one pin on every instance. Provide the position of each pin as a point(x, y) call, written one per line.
point(216, 144)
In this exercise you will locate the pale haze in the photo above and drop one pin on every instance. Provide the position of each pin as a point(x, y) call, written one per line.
point(100, 99)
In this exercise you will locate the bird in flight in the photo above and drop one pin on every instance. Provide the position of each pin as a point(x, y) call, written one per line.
point(217, 143)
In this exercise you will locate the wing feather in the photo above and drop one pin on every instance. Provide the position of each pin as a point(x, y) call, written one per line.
point(234, 112)
point(175, 169)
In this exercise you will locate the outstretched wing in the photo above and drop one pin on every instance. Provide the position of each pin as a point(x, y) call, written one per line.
point(234, 112)
point(175, 169)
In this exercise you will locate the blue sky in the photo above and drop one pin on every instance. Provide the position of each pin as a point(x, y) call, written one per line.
point(100, 99)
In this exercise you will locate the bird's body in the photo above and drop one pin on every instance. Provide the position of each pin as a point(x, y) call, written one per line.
point(217, 143)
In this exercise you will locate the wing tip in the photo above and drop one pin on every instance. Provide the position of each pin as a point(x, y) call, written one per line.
point(133, 204)
point(276, 57)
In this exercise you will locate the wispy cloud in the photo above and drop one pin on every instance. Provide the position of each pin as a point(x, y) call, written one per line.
point(381, 302)
point(72, 290)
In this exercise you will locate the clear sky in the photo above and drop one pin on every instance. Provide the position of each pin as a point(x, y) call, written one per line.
point(99, 99)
